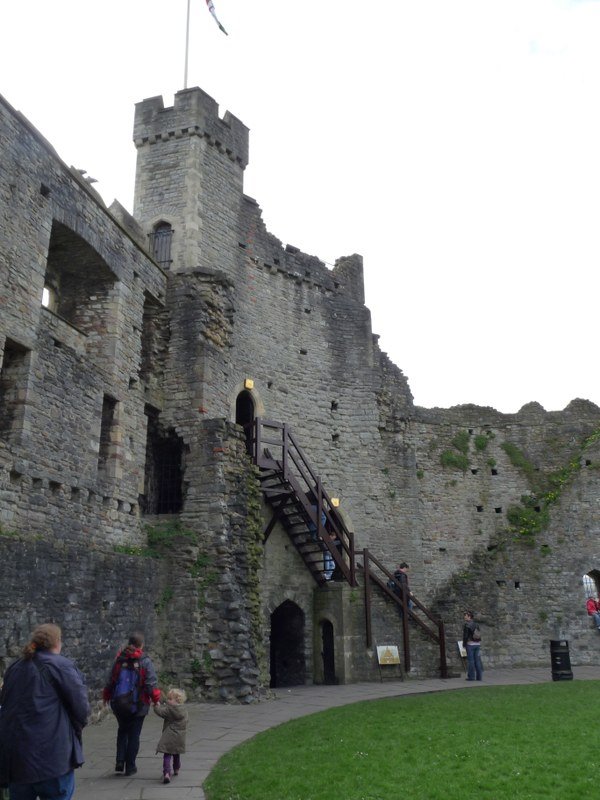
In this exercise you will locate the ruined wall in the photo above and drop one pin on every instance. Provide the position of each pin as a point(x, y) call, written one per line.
point(128, 359)
point(521, 575)
point(56, 231)
point(79, 379)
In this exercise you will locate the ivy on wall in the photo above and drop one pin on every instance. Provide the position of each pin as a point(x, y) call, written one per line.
point(255, 546)
point(532, 514)
point(458, 457)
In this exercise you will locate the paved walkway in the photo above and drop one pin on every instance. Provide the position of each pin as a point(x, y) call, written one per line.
point(215, 729)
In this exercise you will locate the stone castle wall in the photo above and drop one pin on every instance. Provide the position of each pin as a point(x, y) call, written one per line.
point(129, 346)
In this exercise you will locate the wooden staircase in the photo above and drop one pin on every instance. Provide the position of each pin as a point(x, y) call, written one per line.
point(316, 529)
point(300, 503)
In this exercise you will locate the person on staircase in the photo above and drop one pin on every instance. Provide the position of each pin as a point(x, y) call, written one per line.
point(328, 562)
point(401, 578)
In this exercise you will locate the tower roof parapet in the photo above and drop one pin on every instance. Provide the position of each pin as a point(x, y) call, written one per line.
point(194, 113)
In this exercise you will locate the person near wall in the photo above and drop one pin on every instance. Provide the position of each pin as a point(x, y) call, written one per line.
point(131, 715)
point(172, 740)
point(328, 562)
point(472, 644)
point(401, 578)
point(43, 709)
point(593, 610)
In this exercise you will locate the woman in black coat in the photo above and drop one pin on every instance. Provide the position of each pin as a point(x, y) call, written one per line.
point(43, 708)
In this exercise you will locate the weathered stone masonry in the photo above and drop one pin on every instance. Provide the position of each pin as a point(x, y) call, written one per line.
point(126, 495)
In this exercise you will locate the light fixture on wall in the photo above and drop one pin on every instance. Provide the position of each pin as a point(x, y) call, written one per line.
point(335, 501)
point(248, 383)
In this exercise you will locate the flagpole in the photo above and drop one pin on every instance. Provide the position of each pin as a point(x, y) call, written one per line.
point(187, 45)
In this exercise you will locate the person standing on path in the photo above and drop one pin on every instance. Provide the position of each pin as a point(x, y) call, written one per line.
point(131, 687)
point(43, 709)
point(172, 740)
point(472, 644)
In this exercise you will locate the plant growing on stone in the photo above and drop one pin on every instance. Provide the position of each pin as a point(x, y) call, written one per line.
point(161, 537)
point(449, 458)
point(457, 458)
point(481, 442)
point(461, 442)
point(131, 550)
point(518, 459)
point(164, 600)
point(533, 514)
point(254, 548)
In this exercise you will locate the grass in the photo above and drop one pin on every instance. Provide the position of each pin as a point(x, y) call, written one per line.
point(518, 742)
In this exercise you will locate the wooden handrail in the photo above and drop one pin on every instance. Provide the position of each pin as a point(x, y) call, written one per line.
point(296, 470)
point(435, 632)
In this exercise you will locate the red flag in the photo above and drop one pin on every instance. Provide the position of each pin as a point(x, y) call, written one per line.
point(211, 8)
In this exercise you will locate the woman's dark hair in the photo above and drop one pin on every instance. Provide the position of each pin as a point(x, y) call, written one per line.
point(44, 637)
point(136, 639)
point(469, 613)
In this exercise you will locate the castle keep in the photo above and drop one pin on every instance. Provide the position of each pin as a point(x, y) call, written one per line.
point(196, 420)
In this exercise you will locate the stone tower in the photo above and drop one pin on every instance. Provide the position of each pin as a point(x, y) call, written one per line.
point(190, 166)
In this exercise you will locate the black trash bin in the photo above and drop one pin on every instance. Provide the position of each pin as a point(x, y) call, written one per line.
point(561, 662)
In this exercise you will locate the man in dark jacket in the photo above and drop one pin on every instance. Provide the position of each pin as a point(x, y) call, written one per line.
point(401, 578)
point(472, 644)
point(43, 709)
point(131, 719)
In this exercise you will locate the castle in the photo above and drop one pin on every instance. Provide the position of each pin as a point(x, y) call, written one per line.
point(159, 373)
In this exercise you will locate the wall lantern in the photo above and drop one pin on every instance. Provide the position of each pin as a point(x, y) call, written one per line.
point(335, 501)
point(248, 383)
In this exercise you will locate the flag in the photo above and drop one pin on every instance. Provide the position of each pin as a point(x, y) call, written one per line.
point(211, 8)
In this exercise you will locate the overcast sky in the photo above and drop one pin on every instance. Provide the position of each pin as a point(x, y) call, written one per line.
point(455, 144)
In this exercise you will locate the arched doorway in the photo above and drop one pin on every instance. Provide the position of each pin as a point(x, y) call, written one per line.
point(288, 666)
point(244, 416)
point(328, 653)
point(591, 583)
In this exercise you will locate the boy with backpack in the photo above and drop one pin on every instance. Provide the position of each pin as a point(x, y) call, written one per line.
point(131, 687)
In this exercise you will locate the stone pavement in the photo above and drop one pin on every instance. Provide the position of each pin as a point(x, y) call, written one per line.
point(214, 729)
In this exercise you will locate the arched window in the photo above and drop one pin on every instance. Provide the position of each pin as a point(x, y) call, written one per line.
point(160, 244)
point(590, 583)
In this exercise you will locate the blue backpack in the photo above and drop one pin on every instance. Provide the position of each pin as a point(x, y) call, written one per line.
point(126, 692)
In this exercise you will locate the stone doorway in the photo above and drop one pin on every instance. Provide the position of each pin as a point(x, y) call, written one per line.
point(328, 653)
point(288, 663)
point(244, 416)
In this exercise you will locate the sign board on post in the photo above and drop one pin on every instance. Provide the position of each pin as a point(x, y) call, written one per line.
point(388, 654)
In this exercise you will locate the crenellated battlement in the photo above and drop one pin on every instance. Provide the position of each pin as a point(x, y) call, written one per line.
point(194, 113)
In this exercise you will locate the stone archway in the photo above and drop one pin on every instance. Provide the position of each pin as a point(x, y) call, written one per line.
point(288, 661)
point(244, 416)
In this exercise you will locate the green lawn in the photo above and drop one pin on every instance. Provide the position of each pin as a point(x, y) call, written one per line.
point(514, 742)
